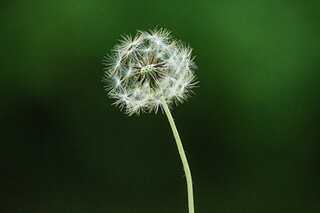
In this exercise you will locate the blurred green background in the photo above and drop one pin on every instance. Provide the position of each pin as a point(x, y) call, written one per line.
point(251, 132)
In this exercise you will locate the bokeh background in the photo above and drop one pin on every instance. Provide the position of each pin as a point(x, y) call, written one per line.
point(251, 132)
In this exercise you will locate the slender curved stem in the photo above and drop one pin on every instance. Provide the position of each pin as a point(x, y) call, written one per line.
point(182, 156)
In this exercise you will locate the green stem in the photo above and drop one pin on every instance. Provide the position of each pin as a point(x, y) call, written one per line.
point(182, 156)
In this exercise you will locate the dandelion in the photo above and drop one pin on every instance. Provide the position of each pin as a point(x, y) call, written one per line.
point(150, 71)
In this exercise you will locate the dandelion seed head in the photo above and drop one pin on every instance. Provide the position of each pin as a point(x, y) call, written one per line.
point(145, 69)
